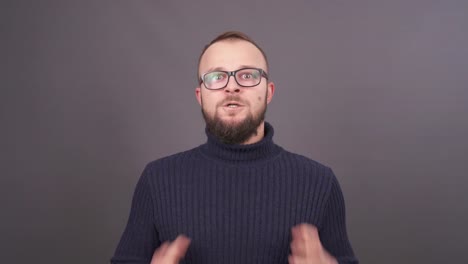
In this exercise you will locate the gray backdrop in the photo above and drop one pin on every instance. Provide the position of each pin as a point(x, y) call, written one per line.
point(92, 91)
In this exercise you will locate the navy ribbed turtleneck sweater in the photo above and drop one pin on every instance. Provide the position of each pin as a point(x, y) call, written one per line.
point(237, 203)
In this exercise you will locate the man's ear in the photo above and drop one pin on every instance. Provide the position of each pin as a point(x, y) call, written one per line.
point(198, 94)
point(270, 91)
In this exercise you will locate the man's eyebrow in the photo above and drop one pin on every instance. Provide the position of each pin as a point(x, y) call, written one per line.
point(224, 69)
point(216, 69)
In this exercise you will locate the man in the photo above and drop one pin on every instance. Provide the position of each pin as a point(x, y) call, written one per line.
point(238, 198)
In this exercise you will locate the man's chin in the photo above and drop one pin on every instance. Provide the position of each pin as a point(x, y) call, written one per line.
point(233, 129)
point(232, 120)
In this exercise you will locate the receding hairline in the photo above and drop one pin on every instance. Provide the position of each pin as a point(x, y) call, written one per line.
point(233, 41)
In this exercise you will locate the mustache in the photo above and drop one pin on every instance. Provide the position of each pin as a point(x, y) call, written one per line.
point(233, 98)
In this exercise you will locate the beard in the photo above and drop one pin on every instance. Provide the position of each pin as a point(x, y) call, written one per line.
point(234, 132)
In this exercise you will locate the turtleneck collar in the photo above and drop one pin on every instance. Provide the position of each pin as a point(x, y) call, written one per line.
point(261, 150)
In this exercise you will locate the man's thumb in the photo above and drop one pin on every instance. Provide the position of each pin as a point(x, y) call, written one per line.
point(178, 248)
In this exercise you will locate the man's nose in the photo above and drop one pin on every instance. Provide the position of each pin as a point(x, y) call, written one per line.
point(232, 86)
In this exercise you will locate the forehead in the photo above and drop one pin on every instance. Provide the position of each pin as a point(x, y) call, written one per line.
point(231, 55)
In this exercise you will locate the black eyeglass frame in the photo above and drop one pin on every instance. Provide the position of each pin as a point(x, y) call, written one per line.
point(233, 73)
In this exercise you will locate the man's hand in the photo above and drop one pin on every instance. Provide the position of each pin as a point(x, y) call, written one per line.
point(171, 253)
point(306, 247)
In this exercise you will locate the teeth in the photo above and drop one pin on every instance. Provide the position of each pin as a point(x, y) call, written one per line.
point(232, 106)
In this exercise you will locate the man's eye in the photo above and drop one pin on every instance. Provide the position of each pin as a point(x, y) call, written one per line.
point(246, 76)
point(216, 77)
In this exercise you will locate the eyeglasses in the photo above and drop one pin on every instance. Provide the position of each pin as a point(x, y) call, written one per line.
point(245, 77)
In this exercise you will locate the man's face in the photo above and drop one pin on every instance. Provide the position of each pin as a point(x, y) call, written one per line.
point(233, 113)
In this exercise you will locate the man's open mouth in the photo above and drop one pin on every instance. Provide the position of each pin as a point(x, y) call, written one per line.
point(232, 105)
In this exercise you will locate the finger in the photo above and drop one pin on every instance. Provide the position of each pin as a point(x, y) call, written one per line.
point(312, 232)
point(178, 248)
point(306, 232)
point(313, 243)
point(296, 233)
point(306, 242)
point(296, 260)
point(298, 248)
point(298, 242)
point(163, 248)
point(159, 252)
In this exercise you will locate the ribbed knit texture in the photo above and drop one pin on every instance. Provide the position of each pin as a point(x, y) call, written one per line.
point(237, 203)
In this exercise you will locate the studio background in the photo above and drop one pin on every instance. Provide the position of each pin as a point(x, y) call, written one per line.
point(91, 91)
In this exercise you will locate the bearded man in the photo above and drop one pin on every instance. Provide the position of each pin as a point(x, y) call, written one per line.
point(239, 197)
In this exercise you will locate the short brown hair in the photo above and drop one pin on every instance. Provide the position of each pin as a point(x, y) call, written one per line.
point(230, 35)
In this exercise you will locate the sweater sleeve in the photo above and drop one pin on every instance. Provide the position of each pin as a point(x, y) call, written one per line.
point(139, 239)
point(333, 233)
